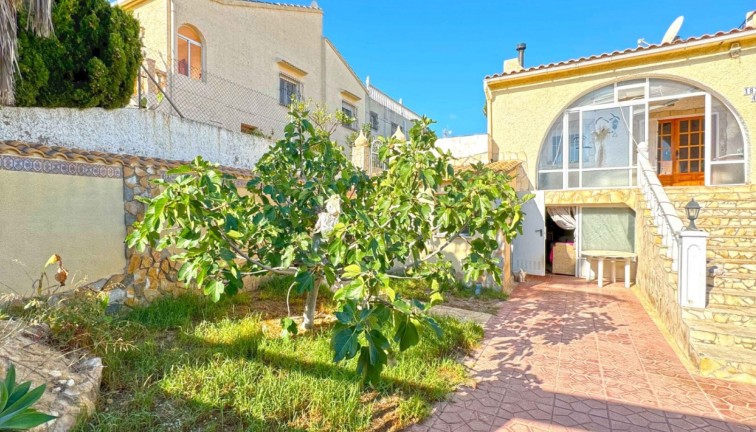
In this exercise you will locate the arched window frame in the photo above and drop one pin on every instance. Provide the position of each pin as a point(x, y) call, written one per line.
point(631, 98)
point(196, 73)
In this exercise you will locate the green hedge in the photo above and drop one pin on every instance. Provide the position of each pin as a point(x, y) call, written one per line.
point(92, 60)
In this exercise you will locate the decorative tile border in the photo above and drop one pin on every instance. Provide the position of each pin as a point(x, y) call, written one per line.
point(48, 166)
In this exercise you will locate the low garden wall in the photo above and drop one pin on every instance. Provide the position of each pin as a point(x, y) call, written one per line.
point(79, 202)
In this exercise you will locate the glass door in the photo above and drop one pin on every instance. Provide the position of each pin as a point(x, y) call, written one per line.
point(680, 151)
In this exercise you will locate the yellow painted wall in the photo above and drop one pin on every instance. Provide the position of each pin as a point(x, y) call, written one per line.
point(79, 218)
point(522, 109)
point(153, 18)
point(339, 77)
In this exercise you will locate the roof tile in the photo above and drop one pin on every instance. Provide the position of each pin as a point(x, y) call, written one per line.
point(627, 51)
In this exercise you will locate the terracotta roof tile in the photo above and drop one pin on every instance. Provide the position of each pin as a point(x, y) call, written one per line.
point(627, 51)
point(20, 148)
point(311, 6)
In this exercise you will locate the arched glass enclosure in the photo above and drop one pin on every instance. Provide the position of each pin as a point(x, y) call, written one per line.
point(594, 143)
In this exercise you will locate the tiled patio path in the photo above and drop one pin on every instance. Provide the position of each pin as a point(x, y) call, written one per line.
point(565, 355)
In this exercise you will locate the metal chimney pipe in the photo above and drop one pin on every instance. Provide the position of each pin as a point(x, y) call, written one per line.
point(521, 53)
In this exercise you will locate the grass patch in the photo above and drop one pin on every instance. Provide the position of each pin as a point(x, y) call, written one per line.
point(455, 294)
point(187, 364)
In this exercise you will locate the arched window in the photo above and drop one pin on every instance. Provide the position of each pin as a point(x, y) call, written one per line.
point(190, 52)
point(692, 137)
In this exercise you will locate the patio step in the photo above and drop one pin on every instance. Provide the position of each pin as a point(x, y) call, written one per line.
point(705, 332)
point(730, 252)
point(740, 282)
point(728, 362)
point(722, 314)
point(735, 298)
point(722, 336)
point(733, 267)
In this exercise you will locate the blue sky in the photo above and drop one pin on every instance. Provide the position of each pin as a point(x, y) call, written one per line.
point(434, 55)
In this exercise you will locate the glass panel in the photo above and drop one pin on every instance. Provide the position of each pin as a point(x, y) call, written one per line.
point(195, 61)
point(550, 180)
point(683, 153)
point(551, 151)
point(606, 139)
point(662, 87)
point(573, 127)
point(573, 178)
point(608, 228)
point(726, 140)
point(603, 95)
point(683, 167)
point(639, 129)
point(694, 167)
point(684, 125)
point(605, 178)
point(631, 82)
point(728, 174)
point(183, 57)
point(631, 94)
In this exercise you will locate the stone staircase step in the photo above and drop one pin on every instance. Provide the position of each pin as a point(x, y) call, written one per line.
point(731, 241)
point(707, 332)
point(736, 298)
point(705, 221)
point(730, 252)
point(731, 362)
point(731, 267)
point(733, 282)
point(726, 230)
point(722, 314)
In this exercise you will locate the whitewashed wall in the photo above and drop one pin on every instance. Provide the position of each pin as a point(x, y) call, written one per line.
point(466, 149)
point(131, 131)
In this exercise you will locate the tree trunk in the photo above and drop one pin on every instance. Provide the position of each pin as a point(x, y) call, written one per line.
point(312, 301)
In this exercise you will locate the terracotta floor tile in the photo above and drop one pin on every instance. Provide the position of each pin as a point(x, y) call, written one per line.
point(564, 355)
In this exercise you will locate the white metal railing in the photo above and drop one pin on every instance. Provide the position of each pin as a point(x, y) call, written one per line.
point(668, 223)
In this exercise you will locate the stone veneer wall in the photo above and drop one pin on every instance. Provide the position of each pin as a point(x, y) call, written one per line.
point(655, 278)
point(151, 273)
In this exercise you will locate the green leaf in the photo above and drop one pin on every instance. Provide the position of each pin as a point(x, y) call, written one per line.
point(305, 281)
point(288, 327)
point(236, 235)
point(227, 255)
point(183, 169)
point(214, 289)
point(406, 334)
point(345, 343)
point(351, 271)
point(25, 420)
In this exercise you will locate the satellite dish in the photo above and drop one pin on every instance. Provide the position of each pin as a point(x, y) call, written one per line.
point(672, 31)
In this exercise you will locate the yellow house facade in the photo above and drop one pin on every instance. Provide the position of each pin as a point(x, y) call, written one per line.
point(238, 64)
point(614, 146)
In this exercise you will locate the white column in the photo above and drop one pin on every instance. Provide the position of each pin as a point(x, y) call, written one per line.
point(691, 279)
point(627, 272)
point(613, 263)
point(600, 272)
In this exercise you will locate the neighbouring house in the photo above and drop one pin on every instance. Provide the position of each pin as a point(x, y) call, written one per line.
point(467, 149)
point(614, 146)
point(238, 64)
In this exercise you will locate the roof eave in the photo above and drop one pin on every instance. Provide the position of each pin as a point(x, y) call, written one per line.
point(497, 81)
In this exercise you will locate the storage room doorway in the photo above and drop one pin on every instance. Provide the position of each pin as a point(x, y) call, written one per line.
point(561, 252)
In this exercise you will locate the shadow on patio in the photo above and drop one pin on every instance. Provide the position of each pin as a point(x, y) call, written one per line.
point(565, 355)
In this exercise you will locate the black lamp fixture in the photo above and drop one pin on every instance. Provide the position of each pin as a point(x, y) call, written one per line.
point(691, 210)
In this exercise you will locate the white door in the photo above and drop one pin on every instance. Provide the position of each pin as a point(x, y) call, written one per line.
point(529, 248)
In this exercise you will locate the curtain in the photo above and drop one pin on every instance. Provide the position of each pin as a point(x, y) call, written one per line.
point(564, 217)
point(608, 228)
